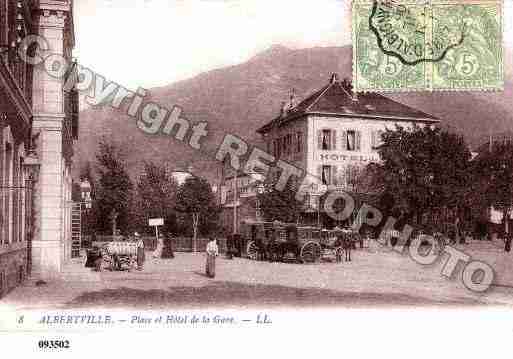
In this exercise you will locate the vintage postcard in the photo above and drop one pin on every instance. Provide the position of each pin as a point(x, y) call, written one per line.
point(402, 45)
point(239, 178)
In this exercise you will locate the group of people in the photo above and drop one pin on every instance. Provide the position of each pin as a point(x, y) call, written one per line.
point(163, 250)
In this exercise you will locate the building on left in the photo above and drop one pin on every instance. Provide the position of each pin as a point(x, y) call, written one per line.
point(38, 127)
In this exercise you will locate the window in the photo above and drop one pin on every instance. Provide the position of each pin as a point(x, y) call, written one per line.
point(287, 144)
point(376, 139)
point(278, 147)
point(327, 140)
point(258, 209)
point(353, 140)
point(299, 142)
point(326, 175)
point(7, 192)
point(15, 200)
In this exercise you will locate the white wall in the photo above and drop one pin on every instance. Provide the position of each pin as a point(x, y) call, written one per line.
point(339, 157)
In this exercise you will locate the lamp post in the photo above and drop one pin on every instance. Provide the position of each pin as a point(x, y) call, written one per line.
point(85, 191)
point(235, 200)
point(32, 166)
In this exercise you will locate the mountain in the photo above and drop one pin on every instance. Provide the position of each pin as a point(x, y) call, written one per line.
point(241, 98)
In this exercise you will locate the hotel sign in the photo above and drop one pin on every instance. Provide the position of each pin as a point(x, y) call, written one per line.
point(349, 158)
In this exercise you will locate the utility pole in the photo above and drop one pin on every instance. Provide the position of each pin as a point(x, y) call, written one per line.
point(235, 200)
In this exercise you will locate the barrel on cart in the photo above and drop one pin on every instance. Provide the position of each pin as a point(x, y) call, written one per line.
point(120, 255)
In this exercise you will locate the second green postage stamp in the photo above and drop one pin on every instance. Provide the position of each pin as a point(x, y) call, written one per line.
point(427, 45)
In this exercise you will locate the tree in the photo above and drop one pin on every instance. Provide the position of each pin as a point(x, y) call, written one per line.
point(156, 195)
point(196, 200)
point(423, 170)
point(279, 205)
point(114, 188)
point(493, 178)
point(86, 172)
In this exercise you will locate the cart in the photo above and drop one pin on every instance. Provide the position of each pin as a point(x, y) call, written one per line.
point(120, 255)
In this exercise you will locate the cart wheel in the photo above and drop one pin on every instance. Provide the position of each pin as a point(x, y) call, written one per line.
point(252, 250)
point(310, 252)
point(339, 253)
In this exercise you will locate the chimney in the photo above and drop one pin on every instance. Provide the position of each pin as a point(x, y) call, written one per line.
point(283, 110)
point(334, 78)
point(348, 86)
point(292, 102)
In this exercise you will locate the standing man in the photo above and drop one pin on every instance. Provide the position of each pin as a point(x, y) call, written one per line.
point(140, 251)
point(507, 244)
point(212, 252)
point(348, 244)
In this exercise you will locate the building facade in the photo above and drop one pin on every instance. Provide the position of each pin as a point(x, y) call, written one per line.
point(38, 124)
point(334, 133)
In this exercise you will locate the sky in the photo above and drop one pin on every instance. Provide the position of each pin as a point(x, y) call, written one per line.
point(152, 43)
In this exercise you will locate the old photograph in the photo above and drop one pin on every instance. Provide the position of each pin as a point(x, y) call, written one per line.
point(165, 162)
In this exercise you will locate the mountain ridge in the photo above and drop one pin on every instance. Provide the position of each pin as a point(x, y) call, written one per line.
point(239, 99)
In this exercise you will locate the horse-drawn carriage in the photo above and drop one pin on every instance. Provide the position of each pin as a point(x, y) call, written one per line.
point(277, 241)
point(332, 244)
point(335, 241)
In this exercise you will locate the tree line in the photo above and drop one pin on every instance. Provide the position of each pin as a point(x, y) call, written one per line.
point(427, 178)
point(188, 209)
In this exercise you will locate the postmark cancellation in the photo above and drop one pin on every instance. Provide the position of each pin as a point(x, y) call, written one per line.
point(437, 45)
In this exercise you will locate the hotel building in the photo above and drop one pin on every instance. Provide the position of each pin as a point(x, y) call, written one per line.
point(332, 134)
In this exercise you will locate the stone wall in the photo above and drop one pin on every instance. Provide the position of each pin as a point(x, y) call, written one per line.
point(13, 266)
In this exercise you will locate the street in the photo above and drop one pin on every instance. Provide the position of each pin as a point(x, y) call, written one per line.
point(375, 278)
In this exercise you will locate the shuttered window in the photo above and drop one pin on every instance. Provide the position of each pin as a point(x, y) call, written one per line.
point(326, 139)
point(326, 175)
point(343, 141)
point(376, 139)
point(353, 140)
point(288, 144)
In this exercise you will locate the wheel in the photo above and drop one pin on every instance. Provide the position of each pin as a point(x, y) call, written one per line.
point(252, 250)
point(310, 252)
point(339, 253)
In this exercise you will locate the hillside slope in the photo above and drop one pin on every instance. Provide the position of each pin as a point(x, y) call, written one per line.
point(241, 98)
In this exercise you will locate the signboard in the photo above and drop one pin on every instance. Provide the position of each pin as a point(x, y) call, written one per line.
point(156, 222)
point(349, 158)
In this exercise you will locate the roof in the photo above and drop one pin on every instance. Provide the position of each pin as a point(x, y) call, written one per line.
point(337, 99)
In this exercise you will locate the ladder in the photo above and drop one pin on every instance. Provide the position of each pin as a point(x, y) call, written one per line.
point(76, 229)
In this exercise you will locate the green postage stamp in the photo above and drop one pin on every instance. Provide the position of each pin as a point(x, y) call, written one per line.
point(427, 45)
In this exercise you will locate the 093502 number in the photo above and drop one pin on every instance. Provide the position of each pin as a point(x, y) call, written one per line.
point(53, 344)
